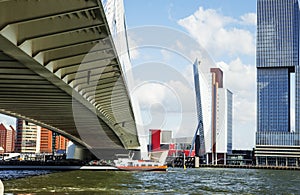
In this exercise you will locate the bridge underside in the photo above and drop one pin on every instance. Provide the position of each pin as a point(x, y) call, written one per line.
point(59, 69)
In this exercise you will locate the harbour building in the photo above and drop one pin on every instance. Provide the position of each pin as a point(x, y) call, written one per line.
point(277, 61)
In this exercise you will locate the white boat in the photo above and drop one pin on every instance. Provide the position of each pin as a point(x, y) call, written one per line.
point(126, 163)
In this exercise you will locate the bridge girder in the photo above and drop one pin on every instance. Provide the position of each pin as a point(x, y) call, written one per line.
point(57, 59)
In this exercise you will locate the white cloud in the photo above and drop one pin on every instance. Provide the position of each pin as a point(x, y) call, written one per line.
point(150, 93)
point(133, 47)
point(239, 77)
point(212, 30)
point(241, 80)
point(185, 95)
point(170, 17)
point(173, 95)
point(7, 120)
point(167, 104)
point(166, 55)
point(249, 19)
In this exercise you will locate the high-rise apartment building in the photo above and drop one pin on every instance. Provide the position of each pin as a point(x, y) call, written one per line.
point(46, 141)
point(61, 143)
point(3, 131)
point(35, 139)
point(7, 138)
point(221, 132)
point(277, 59)
point(28, 137)
point(10, 139)
point(214, 106)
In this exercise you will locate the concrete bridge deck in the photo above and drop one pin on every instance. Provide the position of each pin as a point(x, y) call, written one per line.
point(59, 69)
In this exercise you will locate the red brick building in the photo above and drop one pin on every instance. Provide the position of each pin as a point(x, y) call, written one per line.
point(61, 143)
point(7, 138)
point(46, 141)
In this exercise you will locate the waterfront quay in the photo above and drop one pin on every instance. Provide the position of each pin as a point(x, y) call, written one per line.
point(190, 163)
point(251, 167)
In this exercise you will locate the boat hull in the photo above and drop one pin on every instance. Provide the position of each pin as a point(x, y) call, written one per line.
point(145, 168)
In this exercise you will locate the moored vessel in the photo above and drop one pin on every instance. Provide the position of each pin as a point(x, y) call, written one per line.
point(128, 164)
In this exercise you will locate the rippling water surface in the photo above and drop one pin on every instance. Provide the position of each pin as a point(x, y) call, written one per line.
point(175, 181)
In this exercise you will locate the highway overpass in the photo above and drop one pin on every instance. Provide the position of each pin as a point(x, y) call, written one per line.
point(59, 69)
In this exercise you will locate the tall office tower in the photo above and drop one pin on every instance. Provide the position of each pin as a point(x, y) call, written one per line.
point(216, 105)
point(221, 131)
point(28, 137)
point(277, 57)
point(7, 138)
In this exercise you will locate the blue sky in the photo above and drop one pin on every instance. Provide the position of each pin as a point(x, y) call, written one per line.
point(158, 12)
point(226, 30)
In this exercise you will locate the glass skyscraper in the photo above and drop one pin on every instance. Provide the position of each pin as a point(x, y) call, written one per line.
point(277, 58)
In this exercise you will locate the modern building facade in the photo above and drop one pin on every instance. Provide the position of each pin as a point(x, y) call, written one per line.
point(10, 139)
point(277, 59)
point(221, 132)
point(46, 141)
point(28, 137)
point(7, 138)
point(61, 143)
point(51, 142)
point(32, 138)
point(224, 121)
point(214, 106)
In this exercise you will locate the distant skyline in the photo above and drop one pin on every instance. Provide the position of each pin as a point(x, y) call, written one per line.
point(226, 29)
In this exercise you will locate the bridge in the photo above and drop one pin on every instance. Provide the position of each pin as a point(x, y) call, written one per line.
point(59, 69)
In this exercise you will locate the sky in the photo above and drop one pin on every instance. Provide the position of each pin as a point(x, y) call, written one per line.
point(225, 29)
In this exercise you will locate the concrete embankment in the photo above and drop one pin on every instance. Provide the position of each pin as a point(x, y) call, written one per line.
point(58, 168)
point(55, 165)
point(251, 167)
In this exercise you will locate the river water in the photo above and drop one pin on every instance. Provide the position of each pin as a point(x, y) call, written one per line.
point(174, 181)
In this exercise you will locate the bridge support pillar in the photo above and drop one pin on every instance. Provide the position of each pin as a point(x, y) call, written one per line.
point(78, 152)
